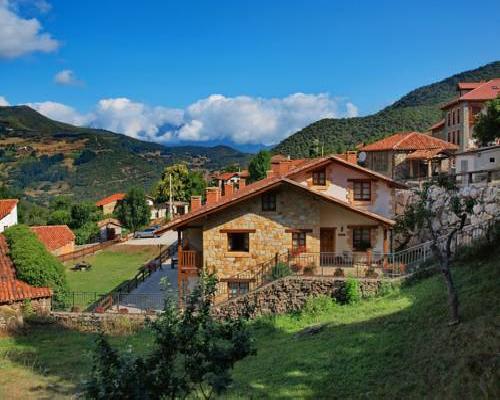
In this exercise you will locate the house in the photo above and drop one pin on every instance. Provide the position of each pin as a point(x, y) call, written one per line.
point(476, 164)
point(460, 114)
point(14, 292)
point(161, 210)
point(58, 239)
point(233, 178)
point(8, 213)
point(318, 213)
point(108, 204)
point(109, 229)
point(409, 155)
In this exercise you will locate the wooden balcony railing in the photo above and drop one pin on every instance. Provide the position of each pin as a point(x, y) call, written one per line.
point(189, 259)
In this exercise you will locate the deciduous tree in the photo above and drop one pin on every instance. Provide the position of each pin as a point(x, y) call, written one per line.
point(133, 211)
point(487, 128)
point(259, 165)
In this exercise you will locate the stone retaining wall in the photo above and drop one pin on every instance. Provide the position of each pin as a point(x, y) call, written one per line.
point(93, 322)
point(289, 294)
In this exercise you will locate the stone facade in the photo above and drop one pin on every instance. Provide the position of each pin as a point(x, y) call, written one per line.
point(289, 294)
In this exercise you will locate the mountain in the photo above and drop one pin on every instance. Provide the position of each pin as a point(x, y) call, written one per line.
point(417, 110)
point(44, 158)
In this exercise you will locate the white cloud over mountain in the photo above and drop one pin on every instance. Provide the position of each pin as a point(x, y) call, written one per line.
point(3, 101)
point(20, 36)
point(241, 119)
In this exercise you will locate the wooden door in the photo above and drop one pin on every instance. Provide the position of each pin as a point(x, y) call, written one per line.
point(327, 245)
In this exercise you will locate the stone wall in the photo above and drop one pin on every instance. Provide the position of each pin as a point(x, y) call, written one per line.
point(93, 322)
point(289, 294)
point(487, 198)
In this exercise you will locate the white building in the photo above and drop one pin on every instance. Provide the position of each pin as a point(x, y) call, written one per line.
point(473, 165)
point(8, 213)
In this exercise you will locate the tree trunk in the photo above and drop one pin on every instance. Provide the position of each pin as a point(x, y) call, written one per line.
point(452, 291)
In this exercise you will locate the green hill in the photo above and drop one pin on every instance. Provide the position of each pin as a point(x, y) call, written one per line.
point(45, 158)
point(417, 110)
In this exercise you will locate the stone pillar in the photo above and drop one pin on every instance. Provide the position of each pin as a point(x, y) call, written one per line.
point(429, 168)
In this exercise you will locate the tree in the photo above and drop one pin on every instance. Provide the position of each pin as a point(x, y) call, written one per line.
point(133, 211)
point(193, 354)
point(185, 183)
point(259, 165)
point(487, 128)
point(441, 212)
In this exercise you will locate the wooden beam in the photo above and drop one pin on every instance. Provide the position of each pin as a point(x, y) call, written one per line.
point(292, 230)
point(237, 231)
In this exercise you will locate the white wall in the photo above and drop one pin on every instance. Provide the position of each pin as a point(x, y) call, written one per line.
point(486, 159)
point(9, 220)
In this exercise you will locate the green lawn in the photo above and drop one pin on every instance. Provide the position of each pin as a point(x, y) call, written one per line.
point(110, 267)
point(392, 347)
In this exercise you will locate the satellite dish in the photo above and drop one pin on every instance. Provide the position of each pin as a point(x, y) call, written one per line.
point(362, 157)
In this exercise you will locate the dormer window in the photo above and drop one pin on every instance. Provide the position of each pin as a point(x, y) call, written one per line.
point(319, 177)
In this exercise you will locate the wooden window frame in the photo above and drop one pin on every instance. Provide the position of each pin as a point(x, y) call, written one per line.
point(239, 290)
point(244, 237)
point(319, 177)
point(299, 241)
point(268, 201)
point(359, 242)
point(364, 184)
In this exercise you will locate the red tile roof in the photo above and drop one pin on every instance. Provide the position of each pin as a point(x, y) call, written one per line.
point(437, 125)
point(6, 207)
point(12, 289)
point(468, 85)
point(54, 236)
point(225, 176)
point(409, 141)
point(485, 91)
point(424, 154)
point(110, 199)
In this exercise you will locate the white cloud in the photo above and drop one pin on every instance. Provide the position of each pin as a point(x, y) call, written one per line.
point(19, 36)
point(61, 112)
point(3, 101)
point(241, 119)
point(66, 77)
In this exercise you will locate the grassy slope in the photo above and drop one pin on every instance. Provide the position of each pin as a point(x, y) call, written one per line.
point(109, 268)
point(397, 346)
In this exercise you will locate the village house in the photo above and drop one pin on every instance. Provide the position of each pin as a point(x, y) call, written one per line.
point(58, 239)
point(8, 213)
point(161, 210)
point(478, 164)
point(324, 212)
point(14, 292)
point(409, 155)
point(109, 229)
point(460, 114)
point(108, 204)
point(233, 178)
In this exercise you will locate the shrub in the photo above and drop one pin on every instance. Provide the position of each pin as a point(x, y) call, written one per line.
point(386, 288)
point(352, 291)
point(315, 306)
point(280, 270)
point(339, 272)
point(34, 264)
point(309, 270)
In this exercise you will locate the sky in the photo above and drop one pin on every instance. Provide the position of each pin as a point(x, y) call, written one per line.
point(244, 73)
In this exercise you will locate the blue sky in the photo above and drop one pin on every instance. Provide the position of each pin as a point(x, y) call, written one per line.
point(244, 72)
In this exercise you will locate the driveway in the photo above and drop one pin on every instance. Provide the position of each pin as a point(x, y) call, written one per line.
point(166, 239)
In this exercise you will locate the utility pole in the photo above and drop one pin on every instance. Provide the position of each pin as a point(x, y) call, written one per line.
point(170, 205)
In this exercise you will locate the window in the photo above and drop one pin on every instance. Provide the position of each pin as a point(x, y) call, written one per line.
point(449, 119)
point(319, 177)
point(361, 239)
point(298, 242)
point(269, 202)
point(362, 190)
point(492, 159)
point(237, 288)
point(238, 241)
point(458, 138)
point(458, 116)
point(453, 117)
point(380, 161)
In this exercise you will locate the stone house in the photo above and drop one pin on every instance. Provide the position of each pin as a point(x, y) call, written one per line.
point(318, 213)
point(109, 229)
point(409, 155)
point(460, 114)
point(58, 239)
point(8, 213)
point(108, 204)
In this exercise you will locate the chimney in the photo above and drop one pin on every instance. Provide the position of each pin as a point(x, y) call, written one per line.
point(270, 173)
point(242, 183)
point(280, 164)
point(228, 189)
point(195, 203)
point(212, 194)
point(351, 157)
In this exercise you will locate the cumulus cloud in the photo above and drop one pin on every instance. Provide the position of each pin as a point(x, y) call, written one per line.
point(241, 119)
point(61, 112)
point(66, 77)
point(3, 101)
point(20, 36)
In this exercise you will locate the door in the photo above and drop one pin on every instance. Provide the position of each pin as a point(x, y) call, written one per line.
point(327, 246)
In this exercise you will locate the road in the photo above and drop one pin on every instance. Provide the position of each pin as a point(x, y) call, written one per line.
point(166, 239)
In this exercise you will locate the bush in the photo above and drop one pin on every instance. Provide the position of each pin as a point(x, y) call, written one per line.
point(315, 306)
point(34, 264)
point(280, 270)
point(352, 291)
point(86, 233)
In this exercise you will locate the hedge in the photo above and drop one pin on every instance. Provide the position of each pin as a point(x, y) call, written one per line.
point(34, 263)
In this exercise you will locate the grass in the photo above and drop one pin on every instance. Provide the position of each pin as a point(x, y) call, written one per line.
point(110, 267)
point(396, 346)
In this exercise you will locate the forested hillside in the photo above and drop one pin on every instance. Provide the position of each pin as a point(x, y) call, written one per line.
point(417, 110)
point(43, 158)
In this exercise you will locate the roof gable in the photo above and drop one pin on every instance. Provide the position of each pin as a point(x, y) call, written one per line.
point(54, 236)
point(6, 207)
point(485, 91)
point(409, 141)
point(110, 199)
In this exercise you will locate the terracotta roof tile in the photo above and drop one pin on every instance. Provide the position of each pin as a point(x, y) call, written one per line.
point(424, 154)
point(110, 199)
point(468, 85)
point(6, 206)
point(485, 91)
point(12, 289)
point(437, 125)
point(409, 141)
point(54, 236)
